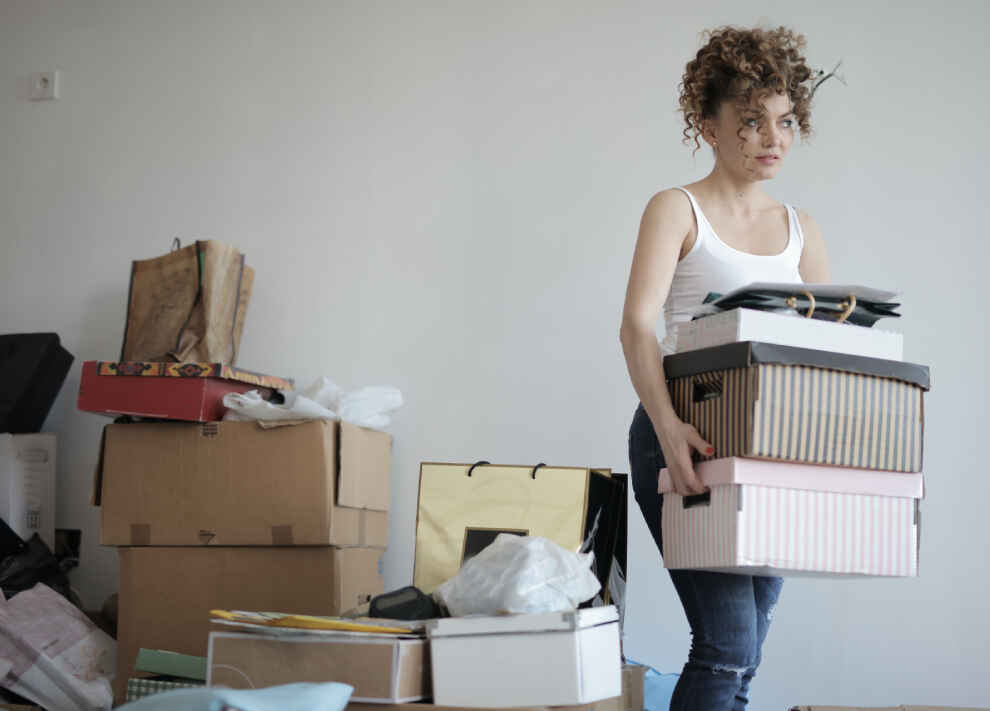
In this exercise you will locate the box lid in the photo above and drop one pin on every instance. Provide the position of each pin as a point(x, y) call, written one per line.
point(810, 477)
point(505, 624)
point(190, 370)
point(748, 353)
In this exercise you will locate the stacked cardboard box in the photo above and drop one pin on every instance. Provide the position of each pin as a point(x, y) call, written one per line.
point(818, 455)
point(233, 515)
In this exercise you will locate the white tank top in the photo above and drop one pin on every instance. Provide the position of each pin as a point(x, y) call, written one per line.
point(712, 265)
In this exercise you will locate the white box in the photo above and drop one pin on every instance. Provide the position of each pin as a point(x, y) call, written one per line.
point(27, 485)
point(752, 325)
point(779, 518)
point(553, 659)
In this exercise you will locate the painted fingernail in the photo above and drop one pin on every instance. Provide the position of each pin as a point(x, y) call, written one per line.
point(710, 450)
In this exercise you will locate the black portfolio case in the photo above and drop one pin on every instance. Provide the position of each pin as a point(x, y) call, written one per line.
point(33, 367)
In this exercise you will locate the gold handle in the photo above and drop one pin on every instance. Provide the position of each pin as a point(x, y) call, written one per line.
point(792, 302)
point(848, 306)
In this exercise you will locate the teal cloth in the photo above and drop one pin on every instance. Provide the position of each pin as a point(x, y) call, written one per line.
point(657, 688)
point(288, 697)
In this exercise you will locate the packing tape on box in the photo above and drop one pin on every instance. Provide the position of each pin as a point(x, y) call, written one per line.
point(140, 534)
point(282, 535)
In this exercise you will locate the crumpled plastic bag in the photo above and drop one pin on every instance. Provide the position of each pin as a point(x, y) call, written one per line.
point(323, 400)
point(52, 654)
point(520, 574)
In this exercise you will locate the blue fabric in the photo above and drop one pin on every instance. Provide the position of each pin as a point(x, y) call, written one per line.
point(657, 688)
point(289, 697)
point(729, 614)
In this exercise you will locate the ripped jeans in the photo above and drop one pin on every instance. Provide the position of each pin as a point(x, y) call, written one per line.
point(729, 614)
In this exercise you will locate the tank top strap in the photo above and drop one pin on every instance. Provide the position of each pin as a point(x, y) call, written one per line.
point(796, 234)
point(699, 217)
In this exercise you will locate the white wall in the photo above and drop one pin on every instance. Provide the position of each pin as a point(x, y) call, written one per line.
point(445, 197)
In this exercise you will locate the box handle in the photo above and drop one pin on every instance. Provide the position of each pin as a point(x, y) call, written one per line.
point(707, 390)
point(694, 500)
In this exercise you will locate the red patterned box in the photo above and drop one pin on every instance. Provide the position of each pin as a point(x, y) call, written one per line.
point(170, 391)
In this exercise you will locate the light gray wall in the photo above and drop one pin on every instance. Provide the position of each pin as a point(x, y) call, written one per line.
point(445, 197)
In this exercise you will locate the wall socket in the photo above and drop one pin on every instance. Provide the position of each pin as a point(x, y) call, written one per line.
point(44, 85)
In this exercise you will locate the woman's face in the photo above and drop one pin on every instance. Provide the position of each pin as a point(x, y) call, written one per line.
point(752, 141)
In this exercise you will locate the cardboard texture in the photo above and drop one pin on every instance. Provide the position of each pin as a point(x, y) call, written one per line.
point(786, 330)
point(27, 485)
point(171, 391)
point(755, 522)
point(818, 414)
point(235, 483)
point(379, 667)
point(489, 662)
point(166, 593)
point(463, 507)
point(633, 688)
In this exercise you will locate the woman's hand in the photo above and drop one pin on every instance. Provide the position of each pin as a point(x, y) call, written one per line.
point(677, 439)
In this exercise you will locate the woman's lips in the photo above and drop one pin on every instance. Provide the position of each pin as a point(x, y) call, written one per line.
point(767, 160)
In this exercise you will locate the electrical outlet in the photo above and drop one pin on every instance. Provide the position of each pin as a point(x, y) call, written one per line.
point(44, 85)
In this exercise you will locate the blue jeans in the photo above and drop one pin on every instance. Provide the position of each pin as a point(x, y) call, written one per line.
point(729, 614)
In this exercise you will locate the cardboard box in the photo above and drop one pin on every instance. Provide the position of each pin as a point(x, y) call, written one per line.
point(462, 508)
point(236, 483)
point(775, 518)
point(381, 668)
point(552, 659)
point(752, 325)
point(27, 485)
point(887, 708)
point(166, 594)
point(777, 402)
point(170, 391)
point(633, 690)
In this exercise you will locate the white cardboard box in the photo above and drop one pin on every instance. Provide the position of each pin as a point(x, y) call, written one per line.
point(27, 485)
point(552, 659)
point(381, 668)
point(752, 325)
point(779, 518)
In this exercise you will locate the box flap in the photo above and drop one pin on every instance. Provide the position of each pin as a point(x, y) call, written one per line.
point(747, 353)
point(809, 477)
point(506, 624)
point(365, 467)
point(95, 494)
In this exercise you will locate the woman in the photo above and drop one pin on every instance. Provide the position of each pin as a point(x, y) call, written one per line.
point(745, 94)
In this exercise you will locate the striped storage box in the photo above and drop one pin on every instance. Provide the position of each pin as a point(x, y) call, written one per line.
point(777, 518)
point(768, 401)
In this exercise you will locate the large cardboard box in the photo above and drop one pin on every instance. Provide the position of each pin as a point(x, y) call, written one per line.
point(27, 485)
point(381, 668)
point(168, 391)
point(752, 325)
point(554, 659)
point(463, 507)
point(768, 401)
point(777, 518)
point(166, 594)
point(237, 483)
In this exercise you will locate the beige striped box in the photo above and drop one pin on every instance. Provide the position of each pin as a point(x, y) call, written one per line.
point(776, 518)
point(799, 405)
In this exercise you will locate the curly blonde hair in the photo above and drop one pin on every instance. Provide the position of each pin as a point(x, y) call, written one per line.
point(736, 63)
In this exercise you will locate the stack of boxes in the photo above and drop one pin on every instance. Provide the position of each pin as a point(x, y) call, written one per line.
point(231, 515)
point(818, 451)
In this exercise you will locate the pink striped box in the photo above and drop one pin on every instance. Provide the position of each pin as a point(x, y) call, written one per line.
point(778, 518)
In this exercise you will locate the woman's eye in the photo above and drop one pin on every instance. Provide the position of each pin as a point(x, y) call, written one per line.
point(751, 122)
point(788, 123)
